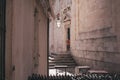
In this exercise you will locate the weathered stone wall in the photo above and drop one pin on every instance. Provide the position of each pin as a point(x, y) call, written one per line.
point(26, 39)
point(95, 33)
point(51, 36)
point(22, 38)
point(8, 56)
point(42, 42)
point(58, 36)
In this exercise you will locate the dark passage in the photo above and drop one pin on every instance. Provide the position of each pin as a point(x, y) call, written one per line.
point(68, 39)
point(2, 39)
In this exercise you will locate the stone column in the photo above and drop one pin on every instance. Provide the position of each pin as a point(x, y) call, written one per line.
point(8, 54)
point(73, 24)
point(22, 39)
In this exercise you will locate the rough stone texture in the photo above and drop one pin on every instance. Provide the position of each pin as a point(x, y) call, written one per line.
point(57, 35)
point(42, 42)
point(22, 38)
point(95, 33)
point(8, 56)
point(26, 39)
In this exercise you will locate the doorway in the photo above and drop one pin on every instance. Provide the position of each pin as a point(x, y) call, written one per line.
point(2, 39)
point(68, 40)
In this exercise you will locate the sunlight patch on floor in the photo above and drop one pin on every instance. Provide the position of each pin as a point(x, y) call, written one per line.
point(59, 72)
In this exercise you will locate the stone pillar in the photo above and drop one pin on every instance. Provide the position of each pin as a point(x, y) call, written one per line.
point(42, 43)
point(73, 24)
point(8, 52)
point(51, 38)
point(22, 39)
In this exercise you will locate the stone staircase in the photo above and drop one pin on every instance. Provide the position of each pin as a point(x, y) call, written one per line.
point(61, 59)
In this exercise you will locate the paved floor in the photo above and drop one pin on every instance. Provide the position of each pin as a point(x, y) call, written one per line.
point(59, 72)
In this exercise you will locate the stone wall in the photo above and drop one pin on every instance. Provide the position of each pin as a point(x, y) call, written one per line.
point(22, 38)
point(95, 33)
point(8, 56)
point(58, 36)
point(26, 39)
point(42, 42)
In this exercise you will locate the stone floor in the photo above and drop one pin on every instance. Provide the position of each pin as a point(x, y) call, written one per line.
point(58, 72)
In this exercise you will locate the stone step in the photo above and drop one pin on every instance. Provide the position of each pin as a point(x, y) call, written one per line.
point(51, 67)
point(61, 59)
point(52, 63)
point(59, 55)
point(59, 63)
